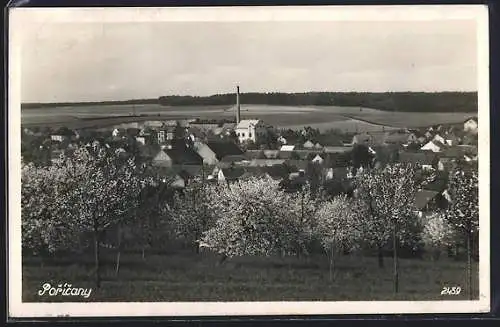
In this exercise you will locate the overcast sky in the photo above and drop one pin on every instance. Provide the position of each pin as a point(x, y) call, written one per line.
point(118, 61)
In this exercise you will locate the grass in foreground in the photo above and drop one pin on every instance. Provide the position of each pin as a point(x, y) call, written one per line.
point(191, 277)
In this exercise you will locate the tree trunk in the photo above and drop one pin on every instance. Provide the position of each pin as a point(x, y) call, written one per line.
point(119, 247)
point(380, 257)
point(331, 266)
point(469, 265)
point(395, 259)
point(97, 261)
point(117, 262)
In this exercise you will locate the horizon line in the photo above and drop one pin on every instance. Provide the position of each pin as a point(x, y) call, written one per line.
point(231, 93)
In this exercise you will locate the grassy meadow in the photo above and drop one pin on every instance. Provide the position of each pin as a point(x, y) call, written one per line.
point(187, 276)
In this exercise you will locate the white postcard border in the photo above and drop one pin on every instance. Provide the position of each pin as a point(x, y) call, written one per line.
point(17, 308)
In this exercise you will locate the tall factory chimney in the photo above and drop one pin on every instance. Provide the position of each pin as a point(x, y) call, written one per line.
point(238, 117)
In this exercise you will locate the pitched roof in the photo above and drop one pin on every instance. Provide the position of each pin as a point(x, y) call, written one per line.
point(224, 148)
point(308, 144)
point(423, 197)
point(234, 158)
point(337, 149)
point(246, 123)
point(287, 148)
point(184, 156)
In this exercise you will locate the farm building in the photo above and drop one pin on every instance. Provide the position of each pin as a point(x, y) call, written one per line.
point(250, 130)
point(434, 146)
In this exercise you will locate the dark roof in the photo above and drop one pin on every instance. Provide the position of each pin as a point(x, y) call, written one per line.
point(421, 158)
point(423, 197)
point(233, 172)
point(184, 156)
point(333, 160)
point(277, 171)
point(234, 158)
point(222, 149)
point(453, 152)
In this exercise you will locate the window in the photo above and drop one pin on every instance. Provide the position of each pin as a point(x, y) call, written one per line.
point(243, 134)
point(238, 134)
point(249, 134)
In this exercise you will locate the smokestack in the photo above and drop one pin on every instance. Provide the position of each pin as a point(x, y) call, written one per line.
point(238, 117)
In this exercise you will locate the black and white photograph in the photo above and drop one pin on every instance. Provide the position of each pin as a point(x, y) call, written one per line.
point(226, 161)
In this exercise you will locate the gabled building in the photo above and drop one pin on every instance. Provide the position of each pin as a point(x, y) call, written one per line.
point(434, 146)
point(222, 149)
point(308, 145)
point(250, 130)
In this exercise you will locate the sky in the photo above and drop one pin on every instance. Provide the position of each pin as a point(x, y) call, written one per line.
point(118, 61)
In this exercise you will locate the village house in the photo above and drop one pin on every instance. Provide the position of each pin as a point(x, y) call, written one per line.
point(308, 145)
point(228, 175)
point(318, 159)
point(287, 148)
point(214, 152)
point(162, 159)
point(471, 125)
point(434, 146)
point(250, 130)
point(439, 138)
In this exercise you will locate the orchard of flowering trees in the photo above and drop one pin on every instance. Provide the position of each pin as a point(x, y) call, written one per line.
point(93, 193)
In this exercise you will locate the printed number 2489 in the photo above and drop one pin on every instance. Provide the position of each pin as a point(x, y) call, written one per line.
point(455, 290)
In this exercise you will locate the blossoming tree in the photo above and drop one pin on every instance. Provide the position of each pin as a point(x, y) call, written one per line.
point(91, 191)
point(463, 210)
point(389, 198)
point(338, 227)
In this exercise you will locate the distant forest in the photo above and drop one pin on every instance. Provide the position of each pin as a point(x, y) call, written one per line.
point(390, 101)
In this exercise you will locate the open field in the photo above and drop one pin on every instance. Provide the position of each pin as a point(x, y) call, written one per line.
point(348, 119)
point(191, 277)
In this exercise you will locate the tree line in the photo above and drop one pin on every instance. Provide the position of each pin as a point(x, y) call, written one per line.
point(390, 101)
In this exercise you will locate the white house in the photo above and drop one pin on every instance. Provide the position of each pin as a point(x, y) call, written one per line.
point(433, 146)
point(308, 145)
point(115, 132)
point(250, 129)
point(141, 139)
point(439, 138)
point(470, 125)
point(318, 159)
point(287, 148)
